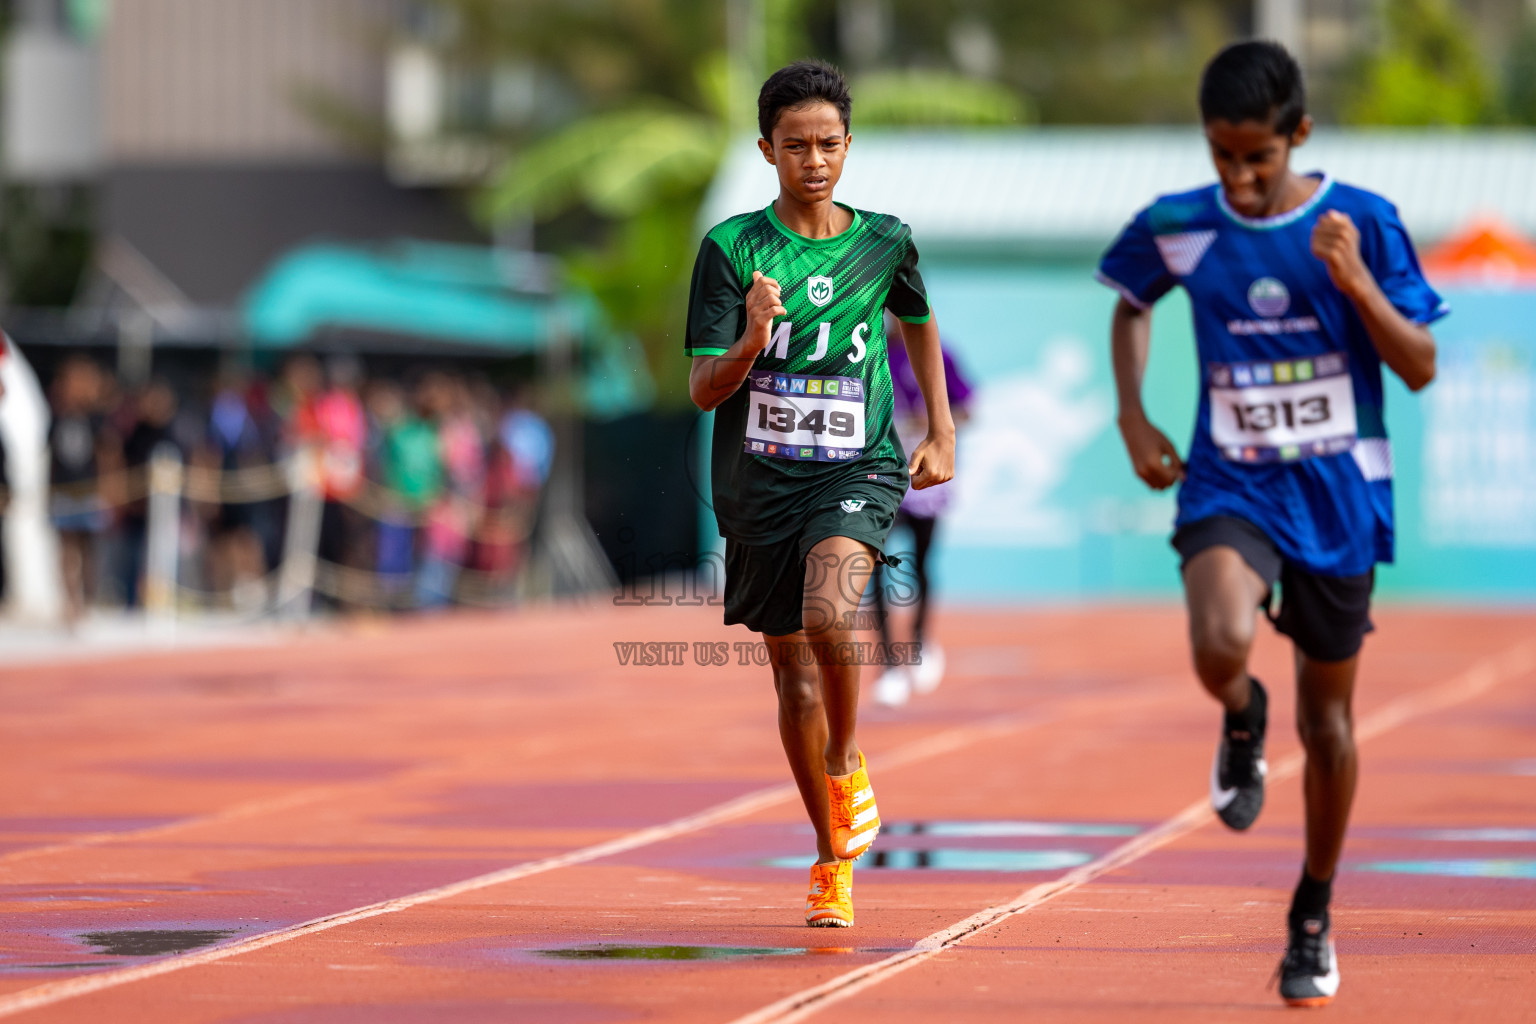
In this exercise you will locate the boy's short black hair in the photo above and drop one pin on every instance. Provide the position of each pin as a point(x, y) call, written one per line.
point(1254, 81)
point(798, 84)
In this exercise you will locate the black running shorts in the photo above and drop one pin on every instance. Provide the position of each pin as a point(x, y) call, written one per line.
point(1326, 616)
point(765, 583)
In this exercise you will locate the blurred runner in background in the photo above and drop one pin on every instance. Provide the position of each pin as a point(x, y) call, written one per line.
point(919, 512)
point(1301, 288)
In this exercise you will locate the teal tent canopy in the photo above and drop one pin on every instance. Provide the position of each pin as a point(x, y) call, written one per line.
point(438, 294)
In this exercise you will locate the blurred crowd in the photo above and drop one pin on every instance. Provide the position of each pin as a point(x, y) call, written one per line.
point(430, 482)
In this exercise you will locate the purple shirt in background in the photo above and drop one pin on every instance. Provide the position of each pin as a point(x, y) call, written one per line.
point(932, 501)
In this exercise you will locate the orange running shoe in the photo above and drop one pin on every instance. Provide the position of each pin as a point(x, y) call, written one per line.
point(855, 819)
point(830, 903)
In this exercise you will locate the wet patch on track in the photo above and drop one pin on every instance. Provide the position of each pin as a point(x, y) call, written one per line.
point(153, 941)
point(947, 859)
point(605, 951)
point(977, 845)
point(1463, 868)
point(1006, 829)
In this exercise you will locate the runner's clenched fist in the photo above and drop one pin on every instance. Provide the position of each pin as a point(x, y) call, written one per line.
point(763, 306)
point(1336, 241)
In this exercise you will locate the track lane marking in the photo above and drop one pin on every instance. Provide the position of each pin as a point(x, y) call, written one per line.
point(957, 738)
point(1479, 678)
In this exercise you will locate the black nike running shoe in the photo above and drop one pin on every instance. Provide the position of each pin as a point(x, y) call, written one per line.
point(1309, 974)
point(1237, 774)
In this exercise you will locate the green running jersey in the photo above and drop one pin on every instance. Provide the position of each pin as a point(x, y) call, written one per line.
point(816, 408)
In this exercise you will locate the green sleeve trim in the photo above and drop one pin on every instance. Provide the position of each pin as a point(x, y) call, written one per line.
point(705, 351)
point(917, 319)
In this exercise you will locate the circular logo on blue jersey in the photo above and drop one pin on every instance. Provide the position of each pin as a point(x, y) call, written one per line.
point(1268, 297)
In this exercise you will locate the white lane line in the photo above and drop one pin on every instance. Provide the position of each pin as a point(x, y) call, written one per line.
point(957, 738)
point(1478, 679)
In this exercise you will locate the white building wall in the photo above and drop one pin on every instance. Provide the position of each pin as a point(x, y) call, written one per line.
point(192, 80)
point(51, 108)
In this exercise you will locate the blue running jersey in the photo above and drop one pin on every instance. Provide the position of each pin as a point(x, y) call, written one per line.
point(1290, 434)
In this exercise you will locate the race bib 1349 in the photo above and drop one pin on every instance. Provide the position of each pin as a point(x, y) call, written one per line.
point(1284, 410)
point(805, 418)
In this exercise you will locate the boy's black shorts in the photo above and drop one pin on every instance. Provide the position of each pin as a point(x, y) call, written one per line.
point(1326, 616)
point(765, 583)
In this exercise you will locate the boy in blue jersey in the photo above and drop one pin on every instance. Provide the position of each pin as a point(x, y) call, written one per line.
point(1301, 288)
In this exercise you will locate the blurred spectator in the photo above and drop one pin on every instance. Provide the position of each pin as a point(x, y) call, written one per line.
point(237, 558)
point(455, 516)
point(518, 466)
point(413, 472)
point(419, 485)
point(149, 431)
point(82, 455)
point(386, 412)
point(293, 401)
point(383, 408)
point(341, 433)
point(528, 440)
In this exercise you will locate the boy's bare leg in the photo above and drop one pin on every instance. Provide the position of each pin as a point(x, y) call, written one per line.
point(803, 730)
point(1325, 722)
point(1223, 594)
point(836, 573)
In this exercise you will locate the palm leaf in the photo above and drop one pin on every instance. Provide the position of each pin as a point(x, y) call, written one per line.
point(936, 98)
point(616, 162)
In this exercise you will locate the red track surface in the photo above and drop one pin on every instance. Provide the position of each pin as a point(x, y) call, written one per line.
point(239, 794)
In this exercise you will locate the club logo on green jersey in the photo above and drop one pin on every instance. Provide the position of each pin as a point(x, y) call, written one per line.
point(819, 290)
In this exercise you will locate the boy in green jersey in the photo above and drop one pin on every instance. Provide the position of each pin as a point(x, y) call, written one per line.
point(786, 332)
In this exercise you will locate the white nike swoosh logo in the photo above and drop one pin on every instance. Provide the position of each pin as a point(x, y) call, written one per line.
point(1220, 796)
point(1328, 984)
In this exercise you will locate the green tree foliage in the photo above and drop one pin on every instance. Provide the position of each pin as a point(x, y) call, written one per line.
point(45, 243)
point(1101, 62)
point(1520, 75)
point(651, 116)
point(1428, 72)
point(937, 98)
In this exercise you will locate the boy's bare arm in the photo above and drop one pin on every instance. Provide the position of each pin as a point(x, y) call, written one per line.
point(1408, 348)
point(1153, 456)
point(933, 461)
point(713, 379)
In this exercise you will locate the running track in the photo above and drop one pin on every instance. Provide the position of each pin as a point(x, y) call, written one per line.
point(488, 818)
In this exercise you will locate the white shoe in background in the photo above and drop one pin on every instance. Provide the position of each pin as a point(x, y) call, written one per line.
point(927, 675)
point(893, 687)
